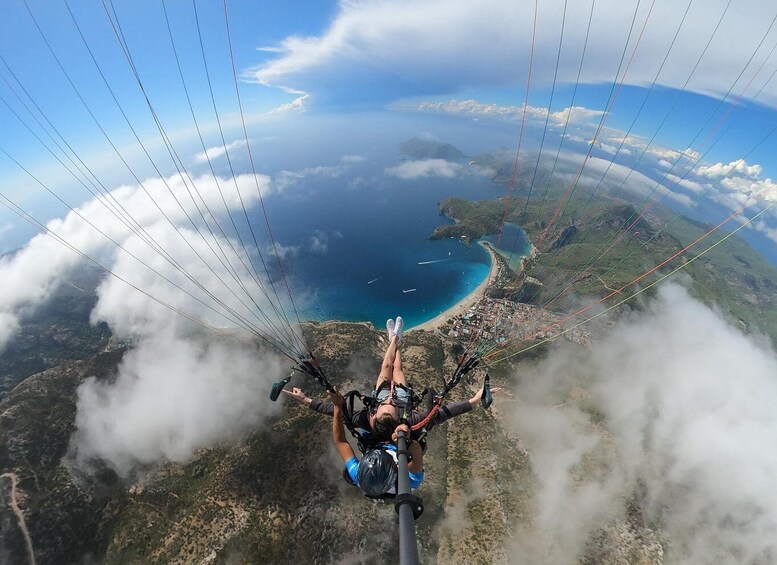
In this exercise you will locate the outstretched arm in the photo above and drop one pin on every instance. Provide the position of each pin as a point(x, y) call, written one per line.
point(338, 430)
point(476, 399)
point(450, 410)
point(298, 395)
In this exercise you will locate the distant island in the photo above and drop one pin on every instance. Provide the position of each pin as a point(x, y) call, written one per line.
point(418, 148)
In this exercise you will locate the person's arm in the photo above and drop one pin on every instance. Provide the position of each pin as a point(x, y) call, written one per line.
point(298, 395)
point(338, 430)
point(475, 400)
point(416, 453)
point(321, 406)
point(451, 410)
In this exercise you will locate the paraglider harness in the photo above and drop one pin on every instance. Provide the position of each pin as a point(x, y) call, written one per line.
point(433, 400)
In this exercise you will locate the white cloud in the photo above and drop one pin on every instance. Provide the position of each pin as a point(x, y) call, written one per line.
point(320, 240)
point(720, 170)
point(362, 181)
point(617, 136)
point(296, 106)
point(766, 229)
point(687, 403)
point(214, 153)
point(171, 396)
point(663, 153)
point(750, 190)
point(576, 138)
point(577, 115)
point(568, 167)
point(353, 159)
point(284, 251)
point(425, 168)
point(607, 148)
point(475, 108)
point(737, 184)
point(9, 325)
point(32, 273)
point(147, 413)
point(398, 44)
point(287, 179)
point(688, 184)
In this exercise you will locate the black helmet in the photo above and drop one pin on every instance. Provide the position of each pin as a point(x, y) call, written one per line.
point(377, 473)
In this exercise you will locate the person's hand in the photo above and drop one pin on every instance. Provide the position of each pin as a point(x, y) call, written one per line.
point(337, 398)
point(401, 428)
point(476, 399)
point(298, 395)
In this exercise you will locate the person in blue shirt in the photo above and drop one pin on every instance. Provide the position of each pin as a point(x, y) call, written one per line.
point(376, 473)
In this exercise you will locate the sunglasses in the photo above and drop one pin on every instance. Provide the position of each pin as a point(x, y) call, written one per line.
point(397, 396)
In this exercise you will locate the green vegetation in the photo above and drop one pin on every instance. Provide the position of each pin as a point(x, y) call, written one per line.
point(473, 219)
point(732, 275)
point(594, 256)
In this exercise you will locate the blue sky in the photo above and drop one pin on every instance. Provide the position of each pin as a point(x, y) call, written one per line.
point(298, 59)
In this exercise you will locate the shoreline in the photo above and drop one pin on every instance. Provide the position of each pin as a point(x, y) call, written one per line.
point(463, 305)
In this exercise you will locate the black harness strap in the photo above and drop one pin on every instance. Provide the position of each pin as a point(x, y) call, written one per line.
point(314, 370)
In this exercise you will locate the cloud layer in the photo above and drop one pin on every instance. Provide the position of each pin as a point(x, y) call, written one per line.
point(172, 395)
point(628, 161)
point(213, 153)
point(687, 402)
point(397, 46)
point(31, 274)
point(425, 168)
point(181, 387)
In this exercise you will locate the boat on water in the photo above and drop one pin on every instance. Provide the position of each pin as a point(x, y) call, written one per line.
point(409, 290)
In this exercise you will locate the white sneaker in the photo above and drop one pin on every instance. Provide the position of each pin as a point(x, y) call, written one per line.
point(390, 328)
point(398, 328)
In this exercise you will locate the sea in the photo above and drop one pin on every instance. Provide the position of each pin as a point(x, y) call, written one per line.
point(355, 244)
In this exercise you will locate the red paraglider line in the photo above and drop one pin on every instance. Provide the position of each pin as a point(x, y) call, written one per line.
point(607, 110)
point(523, 121)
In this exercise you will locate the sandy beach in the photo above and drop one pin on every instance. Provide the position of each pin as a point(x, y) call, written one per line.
point(465, 303)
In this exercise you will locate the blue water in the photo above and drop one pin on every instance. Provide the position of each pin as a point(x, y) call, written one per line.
point(513, 244)
point(371, 225)
point(377, 231)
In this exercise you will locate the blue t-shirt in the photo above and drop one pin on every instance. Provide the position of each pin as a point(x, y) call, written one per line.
point(352, 466)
